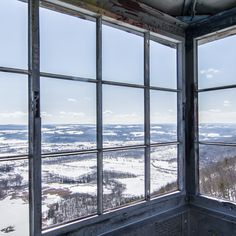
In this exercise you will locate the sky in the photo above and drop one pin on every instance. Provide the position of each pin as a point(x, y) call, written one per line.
point(68, 46)
point(217, 67)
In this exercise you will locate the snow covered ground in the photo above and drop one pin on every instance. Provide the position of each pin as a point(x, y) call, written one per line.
point(73, 179)
point(14, 213)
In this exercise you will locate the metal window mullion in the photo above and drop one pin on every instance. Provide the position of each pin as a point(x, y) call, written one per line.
point(196, 115)
point(67, 77)
point(14, 70)
point(232, 86)
point(34, 120)
point(99, 116)
point(180, 116)
point(216, 144)
point(147, 112)
point(191, 117)
point(164, 89)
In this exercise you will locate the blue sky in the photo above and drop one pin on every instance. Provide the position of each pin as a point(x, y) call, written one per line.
point(216, 67)
point(68, 46)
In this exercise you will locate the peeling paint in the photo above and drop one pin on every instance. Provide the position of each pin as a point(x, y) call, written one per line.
point(133, 13)
point(131, 5)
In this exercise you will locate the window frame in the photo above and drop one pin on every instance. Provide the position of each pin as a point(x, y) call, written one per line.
point(34, 126)
point(202, 198)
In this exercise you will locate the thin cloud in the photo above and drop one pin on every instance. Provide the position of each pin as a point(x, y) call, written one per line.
point(45, 114)
point(209, 73)
point(16, 114)
point(71, 100)
point(215, 110)
point(218, 117)
point(107, 112)
point(226, 103)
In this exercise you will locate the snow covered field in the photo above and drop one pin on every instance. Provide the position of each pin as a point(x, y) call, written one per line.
point(69, 183)
point(14, 213)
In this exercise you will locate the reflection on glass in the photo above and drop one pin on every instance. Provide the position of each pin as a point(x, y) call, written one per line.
point(13, 114)
point(164, 170)
point(217, 116)
point(217, 176)
point(163, 116)
point(123, 177)
point(122, 116)
point(122, 56)
point(216, 65)
point(14, 199)
point(69, 188)
point(163, 65)
point(14, 34)
point(68, 50)
point(68, 115)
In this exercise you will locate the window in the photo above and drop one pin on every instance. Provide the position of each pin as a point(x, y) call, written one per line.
point(111, 117)
point(14, 189)
point(217, 115)
point(68, 111)
point(163, 119)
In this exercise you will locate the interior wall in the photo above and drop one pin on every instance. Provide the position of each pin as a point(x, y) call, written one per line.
point(173, 222)
point(204, 222)
point(184, 221)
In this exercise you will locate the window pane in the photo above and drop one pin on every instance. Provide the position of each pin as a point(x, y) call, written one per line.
point(163, 116)
point(163, 65)
point(217, 116)
point(14, 34)
point(122, 116)
point(68, 115)
point(14, 199)
point(69, 50)
point(13, 114)
point(164, 170)
point(69, 188)
point(123, 177)
point(217, 171)
point(122, 56)
point(216, 63)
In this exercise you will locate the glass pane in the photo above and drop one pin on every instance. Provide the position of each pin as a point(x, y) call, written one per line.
point(123, 177)
point(14, 199)
point(69, 188)
point(122, 56)
point(163, 65)
point(164, 164)
point(217, 175)
point(122, 116)
point(14, 34)
point(68, 115)
point(163, 116)
point(13, 114)
point(68, 50)
point(216, 63)
point(217, 116)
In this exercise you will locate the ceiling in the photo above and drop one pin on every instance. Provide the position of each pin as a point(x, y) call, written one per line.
point(184, 9)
